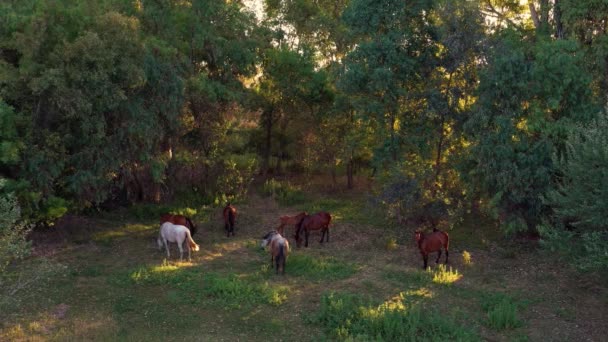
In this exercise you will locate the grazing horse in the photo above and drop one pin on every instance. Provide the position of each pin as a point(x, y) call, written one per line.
point(279, 248)
point(180, 220)
point(170, 232)
point(229, 218)
point(290, 220)
point(318, 221)
point(432, 242)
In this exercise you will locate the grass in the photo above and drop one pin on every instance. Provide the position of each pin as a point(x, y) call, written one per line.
point(117, 286)
point(501, 310)
point(319, 268)
point(347, 316)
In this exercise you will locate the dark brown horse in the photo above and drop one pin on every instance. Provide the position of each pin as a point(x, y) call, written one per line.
point(179, 220)
point(318, 221)
point(432, 242)
point(290, 220)
point(229, 214)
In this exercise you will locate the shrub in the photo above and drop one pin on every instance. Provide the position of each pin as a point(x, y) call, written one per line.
point(12, 233)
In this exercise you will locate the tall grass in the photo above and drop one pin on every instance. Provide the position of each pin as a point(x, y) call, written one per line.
point(501, 311)
point(346, 316)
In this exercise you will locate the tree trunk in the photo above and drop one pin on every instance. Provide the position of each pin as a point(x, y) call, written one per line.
point(557, 15)
point(349, 173)
point(267, 148)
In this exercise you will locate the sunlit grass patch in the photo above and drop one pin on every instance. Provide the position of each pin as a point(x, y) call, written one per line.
point(350, 317)
point(319, 268)
point(391, 244)
point(501, 310)
point(466, 258)
point(445, 276)
point(122, 231)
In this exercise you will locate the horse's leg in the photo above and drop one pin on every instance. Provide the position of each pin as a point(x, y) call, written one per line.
point(438, 256)
point(181, 251)
point(425, 259)
point(306, 234)
point(188, 248)
point(327, 232)
point(446, 256)
point(167, 248)
point(271, 260)
point(322, 235)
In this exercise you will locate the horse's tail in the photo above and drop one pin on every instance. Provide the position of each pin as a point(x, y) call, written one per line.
point(192, 226)
point(231, 216)
point(447, 240)
point(191, 242)
point(280, 259)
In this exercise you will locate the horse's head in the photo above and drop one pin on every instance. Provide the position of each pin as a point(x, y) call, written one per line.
point(267, 238)
point(419, 235)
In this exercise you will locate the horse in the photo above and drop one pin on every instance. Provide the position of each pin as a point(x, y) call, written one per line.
point(229, 218)
point(180, 220)
point(170, 232)
point(432, 242)
point(318, 221)
point(290, 220)
point(279, 248)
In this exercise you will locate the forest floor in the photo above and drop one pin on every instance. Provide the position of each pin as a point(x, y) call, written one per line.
point(116, 285)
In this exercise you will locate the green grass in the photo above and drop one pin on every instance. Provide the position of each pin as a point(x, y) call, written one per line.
point(319, 268)
point(346, 316)
point(501, 310)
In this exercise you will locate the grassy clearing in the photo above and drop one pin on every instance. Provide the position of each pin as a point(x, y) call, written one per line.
point(115, 285)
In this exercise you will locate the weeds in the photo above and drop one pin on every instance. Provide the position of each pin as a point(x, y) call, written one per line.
point(350, 317)
point(501, 311)
point(445, 276)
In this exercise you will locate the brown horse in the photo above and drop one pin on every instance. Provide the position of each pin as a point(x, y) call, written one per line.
point(290, 220)
point(318, 221)
point(279, 248)
point(229, 214)
point(179, 220)
point(432, 242)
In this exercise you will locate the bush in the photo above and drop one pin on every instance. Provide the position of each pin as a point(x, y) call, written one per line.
point(578, 228)
point(13, 244)
point(284, 193)
point(501, 310)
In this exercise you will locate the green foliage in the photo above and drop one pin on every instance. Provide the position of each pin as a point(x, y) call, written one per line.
point(284, 192)
point(13, 231)
point(515, 135)
point(349, 317)
point(579, 198)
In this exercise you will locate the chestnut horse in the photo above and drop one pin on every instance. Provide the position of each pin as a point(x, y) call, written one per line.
point(290, 220)
point(229, 214)
point(432, 242)
point(318, 221)
point(179, 220)
point(279, 248)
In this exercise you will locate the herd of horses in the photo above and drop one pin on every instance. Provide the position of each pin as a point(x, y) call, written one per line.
point(180, 229)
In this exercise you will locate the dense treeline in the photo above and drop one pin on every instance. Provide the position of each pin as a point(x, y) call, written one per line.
point(452, 106)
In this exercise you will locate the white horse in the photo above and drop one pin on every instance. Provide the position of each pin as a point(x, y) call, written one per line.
point(279, 248)
point(170, 232)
